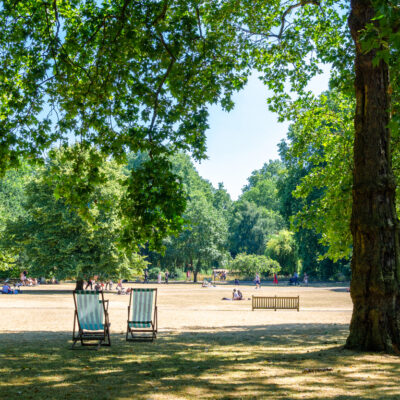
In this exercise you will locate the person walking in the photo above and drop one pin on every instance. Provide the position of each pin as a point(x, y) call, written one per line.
point(166, 276)
point(109, 285)
point(275, 279)
point(305, 278)
point(23, 278)
point(159, 277)
point(89, 283)
point(257, 280)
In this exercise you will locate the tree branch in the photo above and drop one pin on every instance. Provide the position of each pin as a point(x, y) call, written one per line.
point(155, 107)
point(166, 46)
point(162, 14)
point(289, 10)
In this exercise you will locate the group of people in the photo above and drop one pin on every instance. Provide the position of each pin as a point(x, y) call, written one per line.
point(26, 280)
point(220, 274)
point(94, 284)
point(166, 276)
point(236, 295)
point(99, 286)
point(7, 289)
point(159, 276)
point(294, 280)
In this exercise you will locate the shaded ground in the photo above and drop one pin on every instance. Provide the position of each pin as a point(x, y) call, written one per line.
point(207, 348)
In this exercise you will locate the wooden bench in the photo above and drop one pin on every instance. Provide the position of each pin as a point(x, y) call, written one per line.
point(275, 303)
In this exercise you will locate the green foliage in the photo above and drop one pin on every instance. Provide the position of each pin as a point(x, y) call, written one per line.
point(138, 77)
point(250, 226)
point(54, 240)
point(283, 249)
point(153, 204)
point(249, 264)
point(222, 200)
point(12, 196)
point(289, 41)
point(315, 192)
point(202, 241)
point(118, 76)
point(262, 187)
point(320, 143)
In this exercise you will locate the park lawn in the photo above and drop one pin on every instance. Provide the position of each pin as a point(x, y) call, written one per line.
point(288, 361)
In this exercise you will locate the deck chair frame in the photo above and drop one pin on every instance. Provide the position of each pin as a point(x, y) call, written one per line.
point(142, 334)
point(86, 336)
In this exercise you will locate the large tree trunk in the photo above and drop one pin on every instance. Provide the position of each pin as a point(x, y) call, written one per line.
point(375, 323)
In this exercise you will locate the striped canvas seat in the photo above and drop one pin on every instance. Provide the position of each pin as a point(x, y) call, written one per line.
point(91, 319)
point(90, 310)
point(142, 314)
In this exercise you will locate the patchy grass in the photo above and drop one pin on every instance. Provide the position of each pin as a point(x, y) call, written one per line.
point(291, 361)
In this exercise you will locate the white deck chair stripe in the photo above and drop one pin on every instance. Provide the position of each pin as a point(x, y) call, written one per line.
point(90, 311)
point(142, 308)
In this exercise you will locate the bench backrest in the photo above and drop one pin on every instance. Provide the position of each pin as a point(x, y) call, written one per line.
point(275, 303)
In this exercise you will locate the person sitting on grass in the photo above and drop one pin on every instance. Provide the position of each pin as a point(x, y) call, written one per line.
point(236, 295)
point(120, 289)
point(7, 289)
point(207, 283)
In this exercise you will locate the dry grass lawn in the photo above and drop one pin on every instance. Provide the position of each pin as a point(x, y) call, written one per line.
point(206, 349)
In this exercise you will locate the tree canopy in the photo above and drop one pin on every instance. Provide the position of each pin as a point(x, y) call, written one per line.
point(53, 239)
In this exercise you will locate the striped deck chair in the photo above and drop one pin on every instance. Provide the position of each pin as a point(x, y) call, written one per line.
point(91, 318)
point(142, 315)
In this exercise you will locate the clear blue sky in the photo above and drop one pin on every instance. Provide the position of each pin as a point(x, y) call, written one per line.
point(241, 141)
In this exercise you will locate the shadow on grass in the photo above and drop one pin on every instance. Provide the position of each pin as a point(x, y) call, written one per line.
point(238, 362)
point(341, 290)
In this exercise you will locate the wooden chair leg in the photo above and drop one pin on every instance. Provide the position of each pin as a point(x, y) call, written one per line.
point(107, 342)
point(99, 344)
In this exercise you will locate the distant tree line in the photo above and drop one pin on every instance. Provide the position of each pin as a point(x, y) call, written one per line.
point(276, 226)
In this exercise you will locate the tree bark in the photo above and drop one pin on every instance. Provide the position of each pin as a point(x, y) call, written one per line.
point(375, 323)
point(79, 284)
